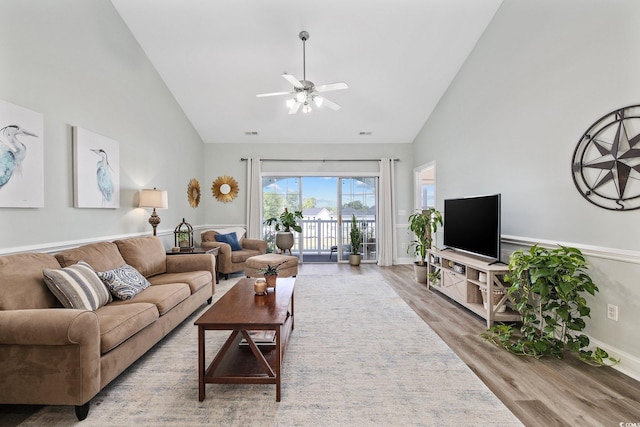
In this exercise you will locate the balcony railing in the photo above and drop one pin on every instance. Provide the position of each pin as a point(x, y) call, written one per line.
point(320, 237)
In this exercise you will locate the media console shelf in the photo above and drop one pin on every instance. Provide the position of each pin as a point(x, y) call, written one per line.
point(464, 277)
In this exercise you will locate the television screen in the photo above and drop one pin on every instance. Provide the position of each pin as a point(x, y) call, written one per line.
point(472, 224)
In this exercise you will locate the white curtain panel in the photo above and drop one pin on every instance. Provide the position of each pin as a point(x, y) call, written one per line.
point(254, 198)
point(386, 232)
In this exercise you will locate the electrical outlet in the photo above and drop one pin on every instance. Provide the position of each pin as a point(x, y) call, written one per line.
point(612, 312)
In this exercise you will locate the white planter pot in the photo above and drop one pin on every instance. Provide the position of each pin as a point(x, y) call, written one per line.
point(420, 272)
point(355, 259)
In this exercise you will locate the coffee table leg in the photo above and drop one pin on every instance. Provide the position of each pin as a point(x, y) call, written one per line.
point(200, 363)
point(278, 363)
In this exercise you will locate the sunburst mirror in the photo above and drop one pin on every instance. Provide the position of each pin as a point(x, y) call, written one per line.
point(225, 188)
point(193, 193)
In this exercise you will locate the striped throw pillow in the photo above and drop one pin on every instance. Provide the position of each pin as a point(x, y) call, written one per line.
point(77, 286)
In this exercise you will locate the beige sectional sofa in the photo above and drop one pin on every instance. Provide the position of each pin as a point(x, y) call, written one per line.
point(60, 356)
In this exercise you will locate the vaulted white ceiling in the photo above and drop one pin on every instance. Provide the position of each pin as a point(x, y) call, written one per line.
point(397, 56)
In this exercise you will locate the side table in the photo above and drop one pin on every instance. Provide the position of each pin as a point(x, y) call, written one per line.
point(199, 250)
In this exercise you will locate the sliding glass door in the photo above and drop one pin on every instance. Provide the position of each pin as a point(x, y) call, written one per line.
point(358, 196)
point(328, 204)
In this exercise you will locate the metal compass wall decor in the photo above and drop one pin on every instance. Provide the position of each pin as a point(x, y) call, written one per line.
point(606, 161)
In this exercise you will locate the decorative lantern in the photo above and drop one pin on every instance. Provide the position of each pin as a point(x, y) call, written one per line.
point(184, 236)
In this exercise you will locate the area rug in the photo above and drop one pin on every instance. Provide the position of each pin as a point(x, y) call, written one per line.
point(359, 356)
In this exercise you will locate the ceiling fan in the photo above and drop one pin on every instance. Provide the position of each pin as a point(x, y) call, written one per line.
point(304, 91)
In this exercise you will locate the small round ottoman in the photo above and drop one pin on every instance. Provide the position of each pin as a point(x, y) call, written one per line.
point(288, 265)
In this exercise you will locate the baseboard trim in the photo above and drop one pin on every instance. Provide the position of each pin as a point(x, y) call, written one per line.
point(629, 364)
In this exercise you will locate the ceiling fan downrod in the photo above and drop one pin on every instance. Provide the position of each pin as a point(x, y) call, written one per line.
point(304, 36)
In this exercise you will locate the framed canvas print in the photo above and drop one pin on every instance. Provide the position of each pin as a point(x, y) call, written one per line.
point(96, 173)
point(21, 157)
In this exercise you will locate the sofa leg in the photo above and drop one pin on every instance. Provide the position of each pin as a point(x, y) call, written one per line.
point(226, 277)
point(82, 411)
point(209, 300)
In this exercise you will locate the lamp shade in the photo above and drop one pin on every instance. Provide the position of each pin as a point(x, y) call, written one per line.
point(153, 199)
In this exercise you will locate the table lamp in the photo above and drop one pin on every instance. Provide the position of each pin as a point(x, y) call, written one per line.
point(156, 199)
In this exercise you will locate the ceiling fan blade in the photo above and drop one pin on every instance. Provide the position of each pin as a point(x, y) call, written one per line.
point(295, 82)
point(294, 108)
point(332, 105)
point(262, 95)
point(332, 86)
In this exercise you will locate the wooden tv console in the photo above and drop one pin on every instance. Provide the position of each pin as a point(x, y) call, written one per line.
point(462, 277)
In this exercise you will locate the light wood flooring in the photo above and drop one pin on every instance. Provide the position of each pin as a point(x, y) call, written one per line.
point(547, 392)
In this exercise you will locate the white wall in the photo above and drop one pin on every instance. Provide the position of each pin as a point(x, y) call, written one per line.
point(541, 74)
point(77, 63)
point(224, 159)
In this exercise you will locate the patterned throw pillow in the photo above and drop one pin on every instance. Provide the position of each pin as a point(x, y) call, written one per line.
point(77, 286)
point(124, 282)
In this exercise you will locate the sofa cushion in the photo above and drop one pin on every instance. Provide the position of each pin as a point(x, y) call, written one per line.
point(229, 239)
point(145, 254)
point(102, 256)
point(77, 286)
point(22, 284)
point(120, 322)
point(243, 255)
point(124, 282)
point(195, 279)
point(164, 297)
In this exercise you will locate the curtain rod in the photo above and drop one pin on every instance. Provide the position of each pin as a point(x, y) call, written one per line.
point(319, 160)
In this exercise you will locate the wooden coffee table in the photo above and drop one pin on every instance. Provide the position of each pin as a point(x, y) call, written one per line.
point(240, 310)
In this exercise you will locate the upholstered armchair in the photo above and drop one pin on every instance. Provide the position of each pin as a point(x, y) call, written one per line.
point(235, 249)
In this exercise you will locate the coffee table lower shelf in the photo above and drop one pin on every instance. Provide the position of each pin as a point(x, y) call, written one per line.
point(236, 364)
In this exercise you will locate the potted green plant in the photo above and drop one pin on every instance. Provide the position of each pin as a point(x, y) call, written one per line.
point(183, 239)
point(284, 224)
point(270, 273)
point(356, 241)
point(434, 277)
point(547, 287)
point(423, 224)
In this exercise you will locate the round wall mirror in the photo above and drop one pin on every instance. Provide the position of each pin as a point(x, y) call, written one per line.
point(225, 188)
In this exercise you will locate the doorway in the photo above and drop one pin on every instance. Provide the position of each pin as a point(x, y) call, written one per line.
point(425, 186)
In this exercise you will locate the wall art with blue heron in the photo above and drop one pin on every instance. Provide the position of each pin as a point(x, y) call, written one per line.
point(96, 170)
point(21, 157)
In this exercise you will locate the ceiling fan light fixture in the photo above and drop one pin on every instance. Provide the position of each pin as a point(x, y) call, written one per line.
point(306, 108)
point(305, 91)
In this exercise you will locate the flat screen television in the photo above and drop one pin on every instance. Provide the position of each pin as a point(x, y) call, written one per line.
point(472, 224)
